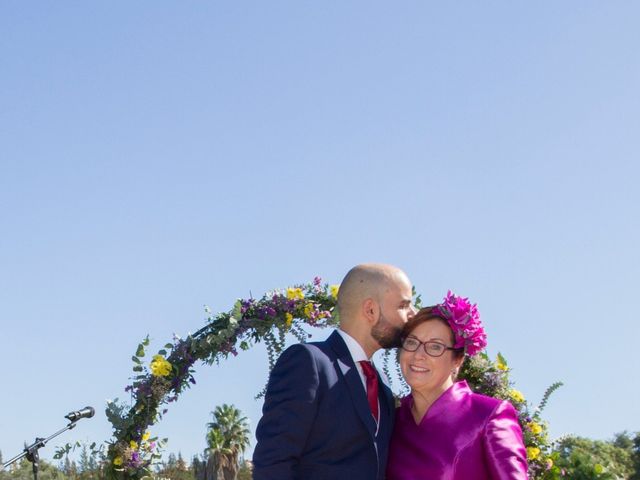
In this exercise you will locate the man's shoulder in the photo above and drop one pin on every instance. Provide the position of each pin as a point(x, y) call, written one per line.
point(317, 349)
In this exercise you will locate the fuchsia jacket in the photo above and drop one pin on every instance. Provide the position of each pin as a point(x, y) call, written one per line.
point(463, 436)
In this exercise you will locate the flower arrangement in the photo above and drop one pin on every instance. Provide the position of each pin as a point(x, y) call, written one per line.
point(137, 457)
point(159, 382)
point(464, 320)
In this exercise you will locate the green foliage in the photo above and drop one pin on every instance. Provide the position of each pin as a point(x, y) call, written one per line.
point(635, 455)
point(23, 470)
point(227, 439)
point(93, 453)
point(175, 468)
point(3, 475)
point(245, 471)
point(545, 397)
point(586, 459)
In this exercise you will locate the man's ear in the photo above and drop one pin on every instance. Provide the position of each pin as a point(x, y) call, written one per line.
point(371, 310)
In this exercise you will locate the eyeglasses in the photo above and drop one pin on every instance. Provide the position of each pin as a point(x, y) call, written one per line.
point(433, 349)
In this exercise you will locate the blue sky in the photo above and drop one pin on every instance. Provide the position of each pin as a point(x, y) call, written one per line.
point(159, 156)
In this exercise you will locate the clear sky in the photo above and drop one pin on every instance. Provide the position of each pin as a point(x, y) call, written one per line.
point(159, 156)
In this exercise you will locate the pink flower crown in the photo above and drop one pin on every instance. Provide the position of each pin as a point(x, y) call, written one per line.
point(464, 320)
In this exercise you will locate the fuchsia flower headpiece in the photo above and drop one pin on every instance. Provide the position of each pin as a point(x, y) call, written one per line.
point(464, 320)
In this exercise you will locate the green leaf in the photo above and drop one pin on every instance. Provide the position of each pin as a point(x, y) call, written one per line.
point(136, 360)
point(502, 360)
point(237, 310)
point(137, 368)
point(140, 351)
point(168, 345)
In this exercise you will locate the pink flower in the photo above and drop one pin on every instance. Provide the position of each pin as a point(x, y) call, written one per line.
point(464, 320)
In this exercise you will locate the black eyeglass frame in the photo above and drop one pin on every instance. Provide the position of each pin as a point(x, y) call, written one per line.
point(424, 346)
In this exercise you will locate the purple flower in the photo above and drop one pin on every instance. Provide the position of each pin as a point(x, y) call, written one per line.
point(135, 460)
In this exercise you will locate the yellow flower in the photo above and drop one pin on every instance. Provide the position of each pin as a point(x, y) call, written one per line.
point(308, 310)
point(288, 319)
point(117, 461)
point(146, 436)
point(133, 444)
point(535, 428)
point(516, 395)
point(598, 469)
point(294, 293)
point(500, 365)
point(533, 453)
point(160, 367)
point(549, 463)
point(334, 291)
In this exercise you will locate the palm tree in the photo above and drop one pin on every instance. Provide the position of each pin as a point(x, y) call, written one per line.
point(227, 438)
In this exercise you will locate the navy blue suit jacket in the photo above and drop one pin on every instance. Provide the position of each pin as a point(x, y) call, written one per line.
point(316, 422)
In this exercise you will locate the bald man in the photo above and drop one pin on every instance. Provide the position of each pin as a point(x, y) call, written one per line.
point(327, 415)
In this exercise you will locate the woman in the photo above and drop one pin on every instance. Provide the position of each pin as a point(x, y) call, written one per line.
point(443, 430)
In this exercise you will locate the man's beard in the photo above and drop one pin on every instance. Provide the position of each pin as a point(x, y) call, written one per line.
point(386, 334)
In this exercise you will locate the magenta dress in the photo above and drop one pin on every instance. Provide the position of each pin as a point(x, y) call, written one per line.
point(463, 436)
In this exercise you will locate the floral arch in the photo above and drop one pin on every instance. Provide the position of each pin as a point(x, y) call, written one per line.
point(132, 451)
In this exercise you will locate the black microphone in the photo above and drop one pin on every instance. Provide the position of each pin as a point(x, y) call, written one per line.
point(86, 412)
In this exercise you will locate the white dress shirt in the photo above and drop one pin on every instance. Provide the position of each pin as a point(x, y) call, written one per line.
point(357, 354)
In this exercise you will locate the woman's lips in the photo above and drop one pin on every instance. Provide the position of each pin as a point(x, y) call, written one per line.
point(418, 369)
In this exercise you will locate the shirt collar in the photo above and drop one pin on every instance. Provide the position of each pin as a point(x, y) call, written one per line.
point(356, 351)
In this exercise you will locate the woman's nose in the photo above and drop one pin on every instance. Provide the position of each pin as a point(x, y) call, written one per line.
point(420, 352)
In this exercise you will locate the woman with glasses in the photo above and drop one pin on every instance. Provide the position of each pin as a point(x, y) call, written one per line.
point(443, 430)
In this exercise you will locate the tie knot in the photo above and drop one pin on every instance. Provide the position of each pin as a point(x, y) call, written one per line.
point(368, 369)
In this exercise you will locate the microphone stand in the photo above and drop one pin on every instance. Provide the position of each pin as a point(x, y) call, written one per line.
point(31, 452)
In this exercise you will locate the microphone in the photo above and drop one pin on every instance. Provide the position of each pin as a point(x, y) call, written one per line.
point(86, 412)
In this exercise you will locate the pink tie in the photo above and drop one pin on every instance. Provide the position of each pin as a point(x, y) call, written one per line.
point(372, 386)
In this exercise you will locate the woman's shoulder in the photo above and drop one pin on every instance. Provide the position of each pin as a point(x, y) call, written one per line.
point(489, 405)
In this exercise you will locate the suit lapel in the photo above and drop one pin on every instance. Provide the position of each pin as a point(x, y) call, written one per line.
point(347, 368)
